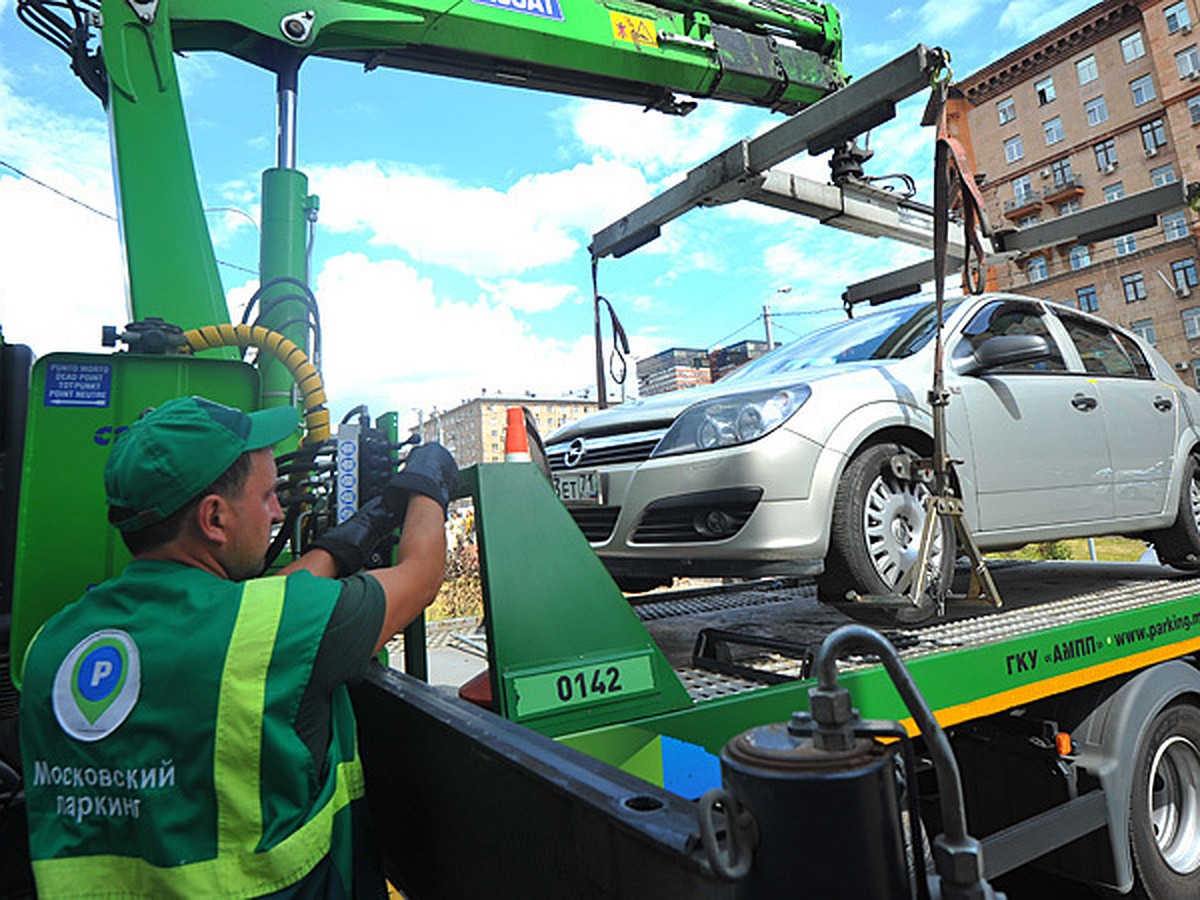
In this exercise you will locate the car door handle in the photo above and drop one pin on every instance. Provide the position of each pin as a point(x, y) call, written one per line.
point(1084, 403)
point(1162, 404)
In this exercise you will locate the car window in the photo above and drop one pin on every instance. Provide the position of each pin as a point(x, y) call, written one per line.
point(1141, 367)
point(892, 333)
point(1005, 317)
point(1102, 352)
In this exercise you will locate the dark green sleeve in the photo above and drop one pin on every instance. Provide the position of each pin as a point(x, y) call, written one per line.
point(347, 645)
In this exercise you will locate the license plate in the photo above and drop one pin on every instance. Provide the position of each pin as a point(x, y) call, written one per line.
point(579, 487)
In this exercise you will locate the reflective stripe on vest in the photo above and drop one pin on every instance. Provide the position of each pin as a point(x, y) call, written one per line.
point(238, 869)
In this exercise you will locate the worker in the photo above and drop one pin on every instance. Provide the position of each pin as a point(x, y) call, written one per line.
point(186, 729)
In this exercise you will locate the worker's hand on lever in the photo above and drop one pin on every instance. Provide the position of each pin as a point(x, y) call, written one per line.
point(430, 471)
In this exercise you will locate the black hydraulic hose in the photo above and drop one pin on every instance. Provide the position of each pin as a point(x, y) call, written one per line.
point(950, 794)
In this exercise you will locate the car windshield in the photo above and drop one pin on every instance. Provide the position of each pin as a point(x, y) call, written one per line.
point(890, 334)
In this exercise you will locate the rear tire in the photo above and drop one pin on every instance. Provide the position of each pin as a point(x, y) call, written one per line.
point(875, 538)
point(1164, 810)
point(1179, 545)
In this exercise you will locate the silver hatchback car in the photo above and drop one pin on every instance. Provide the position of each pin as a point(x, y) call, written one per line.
point(1061, 425)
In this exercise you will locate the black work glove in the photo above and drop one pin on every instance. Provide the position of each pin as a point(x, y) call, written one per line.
point(430, 470)
point(350, 544)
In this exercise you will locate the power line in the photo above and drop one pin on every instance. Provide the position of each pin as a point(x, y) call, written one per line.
point(55, 190)
point(110, 216)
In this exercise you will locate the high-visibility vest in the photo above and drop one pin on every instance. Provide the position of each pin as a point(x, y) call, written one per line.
point(157, 742)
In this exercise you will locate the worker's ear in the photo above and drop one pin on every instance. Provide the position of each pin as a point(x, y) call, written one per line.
point(212, 518)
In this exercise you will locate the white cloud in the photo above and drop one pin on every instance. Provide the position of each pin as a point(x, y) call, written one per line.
point(659, 144)
point(1026, 19)
point(937, 19)
point(61, 263)
point(529, 297)
point(540, 220)
point(393, 342)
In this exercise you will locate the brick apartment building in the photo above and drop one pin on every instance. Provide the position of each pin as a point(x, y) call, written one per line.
point(1105, 105)
point(474, 430)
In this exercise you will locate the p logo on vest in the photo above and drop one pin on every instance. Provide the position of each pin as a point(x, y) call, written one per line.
point(97, 685)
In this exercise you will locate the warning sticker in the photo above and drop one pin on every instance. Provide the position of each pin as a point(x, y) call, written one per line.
point(78, 384)
point(633, 29)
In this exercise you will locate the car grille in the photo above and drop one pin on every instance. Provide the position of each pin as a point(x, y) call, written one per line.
point(708, 516)
point(596, 523)
point(610, 450)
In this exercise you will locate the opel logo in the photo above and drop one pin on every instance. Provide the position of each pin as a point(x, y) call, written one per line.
point(574, 454)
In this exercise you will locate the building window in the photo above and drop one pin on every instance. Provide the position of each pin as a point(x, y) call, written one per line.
point(1134, 287)
point(1096, 110)
point(1183, 271)
point(1006, 109)
point(1086, 70)
point(1061, 168)
point(1194, 110)
point(1142, 90)
point(1132, 47)
point(1187, 62)
point(1053, 129)
point(1177, 18)
point(1191, 323)
point(1022, 190)
point(1163, 175)
point(1154, 135)
point(1037, 270)
point(1144, 328)
point(1175, 225)
point(1081, 256)
point(1114, 192)
point(1069, 206)
point(1044, 90)
point(1013, 149)
point(1086, 298)
point(1106, 155)
point(1125, 244)
point(1026, 221)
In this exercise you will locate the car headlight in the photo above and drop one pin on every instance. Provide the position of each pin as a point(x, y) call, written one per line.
point(729, 421)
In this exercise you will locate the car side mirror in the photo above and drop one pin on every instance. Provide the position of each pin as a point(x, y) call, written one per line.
point(1006, 350)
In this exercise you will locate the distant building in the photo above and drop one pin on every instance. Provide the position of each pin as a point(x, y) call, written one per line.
point(474, 431)
point(672, 370)
point(724, 360)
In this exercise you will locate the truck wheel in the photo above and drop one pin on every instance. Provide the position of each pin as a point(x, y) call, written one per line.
point(875, 537)
point(1179, 545)
point(1164, 812)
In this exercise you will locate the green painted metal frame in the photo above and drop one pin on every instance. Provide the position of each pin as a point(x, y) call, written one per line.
point(64, 544)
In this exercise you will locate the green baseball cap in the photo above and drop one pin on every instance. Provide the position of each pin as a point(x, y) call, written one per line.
point(176, 450)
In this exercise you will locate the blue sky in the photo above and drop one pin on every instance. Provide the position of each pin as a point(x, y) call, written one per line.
point(451, 252)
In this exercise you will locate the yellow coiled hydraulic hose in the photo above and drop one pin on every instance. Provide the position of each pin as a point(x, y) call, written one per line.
point(308, 379)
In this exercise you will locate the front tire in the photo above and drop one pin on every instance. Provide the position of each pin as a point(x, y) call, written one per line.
point(876, 536)
point(1164, 811)
point(1179, 545)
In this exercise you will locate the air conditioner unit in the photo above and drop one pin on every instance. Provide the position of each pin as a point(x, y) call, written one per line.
point(1181, 366)
point(1110, 168)
point(1182, 292)
point(1151, 151)
point(1045, 173)
point(1194, 75)
point(1185, 29)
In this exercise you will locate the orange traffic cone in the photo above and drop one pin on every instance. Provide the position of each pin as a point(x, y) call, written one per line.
point(516, 441)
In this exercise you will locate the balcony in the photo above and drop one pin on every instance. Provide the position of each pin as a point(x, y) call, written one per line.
point(1023, 204)
point(1064, 189)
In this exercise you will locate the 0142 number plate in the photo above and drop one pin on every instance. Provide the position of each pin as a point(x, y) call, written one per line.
point(600, 682)
point(579, 488)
